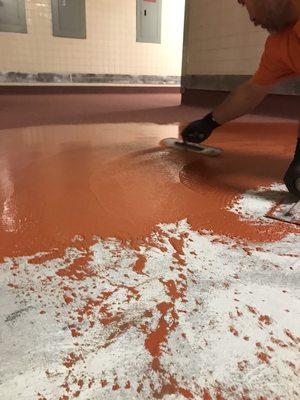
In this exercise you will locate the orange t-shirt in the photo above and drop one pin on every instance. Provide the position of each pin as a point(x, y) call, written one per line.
point(281, 58)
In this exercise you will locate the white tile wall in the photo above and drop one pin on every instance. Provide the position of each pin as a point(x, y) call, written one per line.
point(110, 46)
point(221, 39)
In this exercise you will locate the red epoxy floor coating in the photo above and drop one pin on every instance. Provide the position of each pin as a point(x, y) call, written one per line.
point(114, 179)
point(74, 169)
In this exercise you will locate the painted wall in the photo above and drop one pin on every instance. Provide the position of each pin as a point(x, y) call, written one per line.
point(220, 39)
point(110, 47)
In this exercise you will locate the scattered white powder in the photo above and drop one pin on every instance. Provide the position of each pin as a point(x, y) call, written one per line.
point(236, 326)
point(254, 204)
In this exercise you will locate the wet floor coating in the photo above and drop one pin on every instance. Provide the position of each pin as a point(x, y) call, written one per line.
point(142, 272)
point(115, 180)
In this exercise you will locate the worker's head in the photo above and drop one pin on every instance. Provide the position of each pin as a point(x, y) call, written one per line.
point(273, 15)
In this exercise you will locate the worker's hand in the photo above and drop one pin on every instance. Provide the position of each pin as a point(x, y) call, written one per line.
point(200, 130)
point(292, 178)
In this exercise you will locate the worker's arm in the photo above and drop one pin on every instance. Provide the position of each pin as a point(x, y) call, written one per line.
point(241, 101)
point(244, 99)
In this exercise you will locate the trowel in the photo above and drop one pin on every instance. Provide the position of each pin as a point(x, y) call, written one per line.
point(196, 148)
point(287, 210)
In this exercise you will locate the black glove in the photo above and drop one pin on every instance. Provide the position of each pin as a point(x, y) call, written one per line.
point(292, 176)
point(200, 130)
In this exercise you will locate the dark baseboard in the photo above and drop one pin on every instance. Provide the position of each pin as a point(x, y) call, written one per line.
point(32, 78)
point(44, 90)
point(282, 106)
point(230, 82)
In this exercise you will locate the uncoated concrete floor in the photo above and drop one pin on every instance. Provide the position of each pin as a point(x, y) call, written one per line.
point(132, 271)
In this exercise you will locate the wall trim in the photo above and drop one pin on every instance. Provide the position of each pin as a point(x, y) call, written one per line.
point(80, 78)
point(230, 82)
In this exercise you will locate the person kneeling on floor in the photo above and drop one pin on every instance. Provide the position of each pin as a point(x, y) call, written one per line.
point(282, 19)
